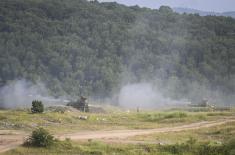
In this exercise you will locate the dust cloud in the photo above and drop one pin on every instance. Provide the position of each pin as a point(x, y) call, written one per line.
point(143, 95)
point(21, 93)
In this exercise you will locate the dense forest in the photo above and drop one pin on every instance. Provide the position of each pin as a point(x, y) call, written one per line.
point(78, 47)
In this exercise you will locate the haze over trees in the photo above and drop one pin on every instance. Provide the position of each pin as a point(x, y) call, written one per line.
point(204, 13)
point(91, 48)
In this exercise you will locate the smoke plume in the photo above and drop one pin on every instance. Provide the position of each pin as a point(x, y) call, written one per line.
point(143, 95)
point(21, 93)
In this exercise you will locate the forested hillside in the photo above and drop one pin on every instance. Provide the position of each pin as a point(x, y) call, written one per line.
point(204, 13)
point(91, 48)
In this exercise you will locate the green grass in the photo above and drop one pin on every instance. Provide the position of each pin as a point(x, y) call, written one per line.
point(190, 147)
point(69, 121)
point(217, 134)
point(214, 140)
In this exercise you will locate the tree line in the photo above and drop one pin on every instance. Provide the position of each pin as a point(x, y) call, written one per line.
point(80, 47)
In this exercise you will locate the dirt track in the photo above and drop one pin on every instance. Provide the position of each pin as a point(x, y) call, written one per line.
point(122, 134)
point(12, 139)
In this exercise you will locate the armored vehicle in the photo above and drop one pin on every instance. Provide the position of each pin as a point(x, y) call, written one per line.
point(81, 104)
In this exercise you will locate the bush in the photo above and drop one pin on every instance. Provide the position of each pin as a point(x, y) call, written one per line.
point(40, 138)
point(229, 147)
point(176, 115)
point(37, 107)
point(192, 146)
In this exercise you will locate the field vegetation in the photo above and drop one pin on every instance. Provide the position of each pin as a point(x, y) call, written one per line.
point(69, 120)
point(190, 147)
point(212, 140)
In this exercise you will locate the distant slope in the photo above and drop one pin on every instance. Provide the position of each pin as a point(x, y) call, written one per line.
point(231, 14)
point(79, 47)
point(203, 13)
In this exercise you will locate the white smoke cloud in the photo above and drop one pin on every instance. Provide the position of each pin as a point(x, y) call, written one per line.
point(21, 93)
point(142, 95)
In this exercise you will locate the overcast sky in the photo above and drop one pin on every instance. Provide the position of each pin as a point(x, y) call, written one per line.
point(204, 5)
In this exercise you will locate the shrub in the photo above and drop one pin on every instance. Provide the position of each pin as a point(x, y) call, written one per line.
point(37, 107)
point(229, 147)
point(40, 138)
point(200, 148)
point(176, 115)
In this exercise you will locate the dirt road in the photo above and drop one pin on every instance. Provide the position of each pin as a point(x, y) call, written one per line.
point(12, 139)
point(122, 134)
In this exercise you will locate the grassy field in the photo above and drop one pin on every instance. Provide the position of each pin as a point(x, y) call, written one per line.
point(190, 147)
point(69, 121)
point(213, 140)
point(218, 134)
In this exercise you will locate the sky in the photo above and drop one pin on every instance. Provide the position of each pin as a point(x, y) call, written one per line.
point(204, 5)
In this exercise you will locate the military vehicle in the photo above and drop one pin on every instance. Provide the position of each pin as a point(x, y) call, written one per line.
point(203, 104)
point(81, 104)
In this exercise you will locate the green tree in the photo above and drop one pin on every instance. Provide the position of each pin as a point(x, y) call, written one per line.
point(37, 107)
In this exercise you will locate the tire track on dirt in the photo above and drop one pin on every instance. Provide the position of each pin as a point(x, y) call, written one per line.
point(10, 139)
point(122, 134)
